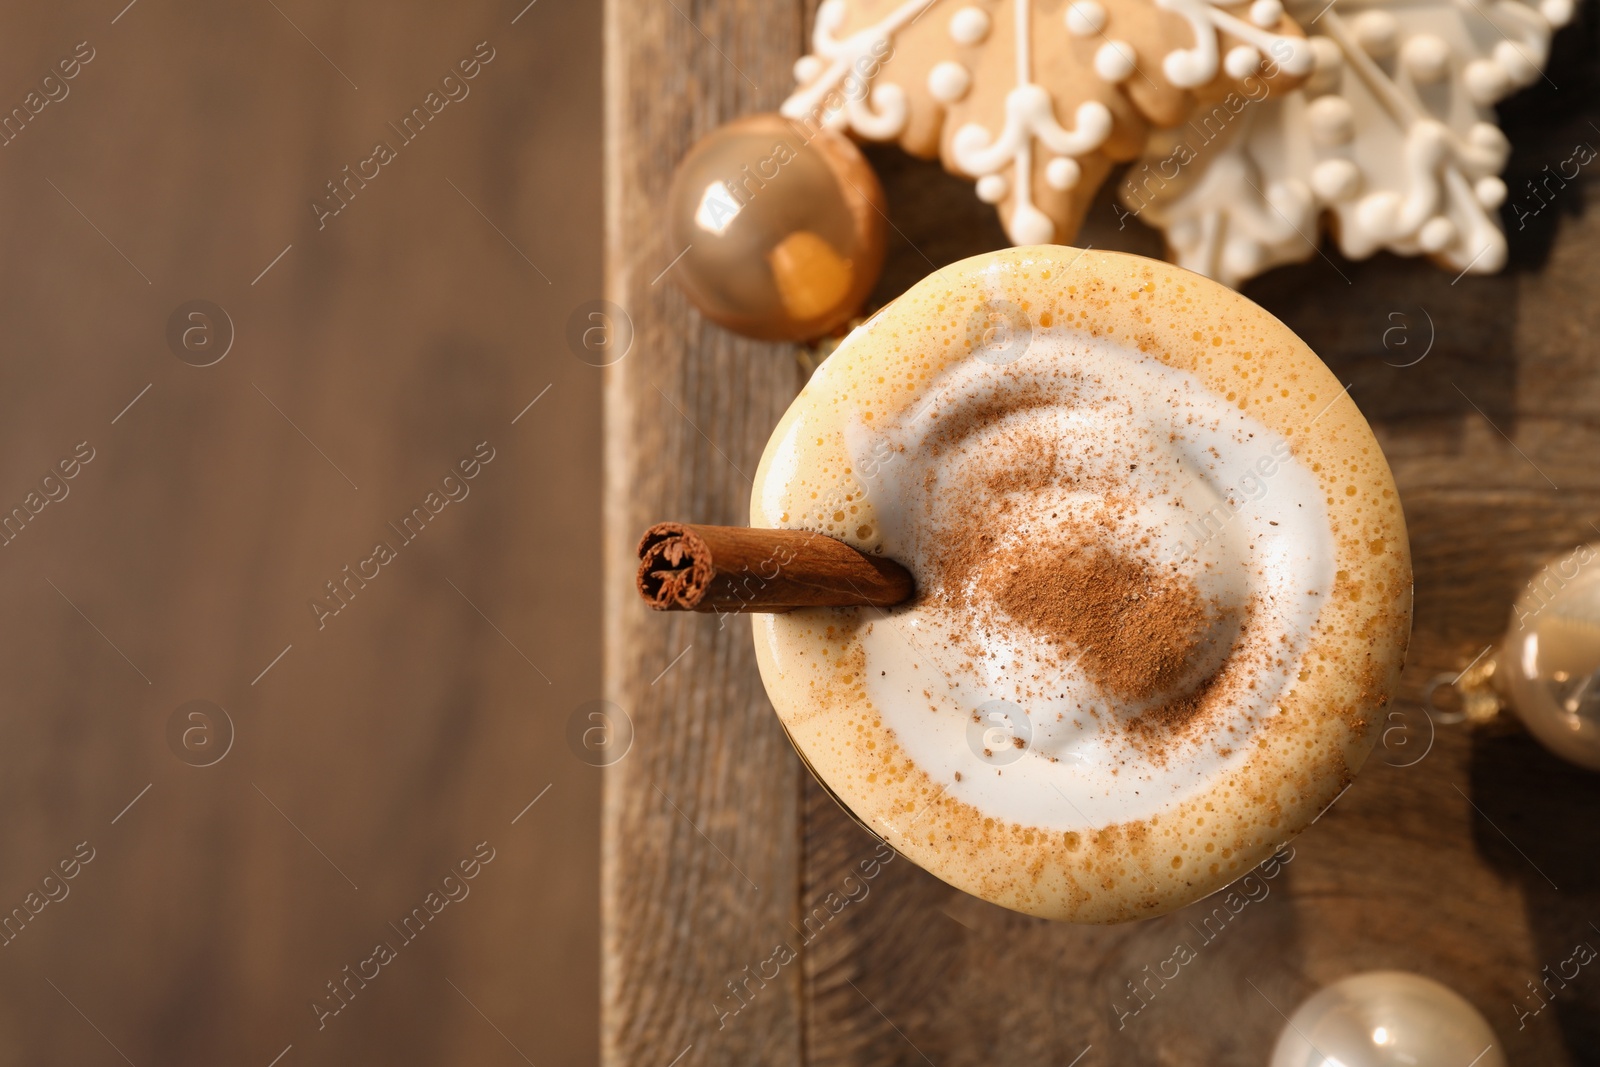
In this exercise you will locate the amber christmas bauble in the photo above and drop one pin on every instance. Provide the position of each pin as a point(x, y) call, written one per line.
point(1549, 662)
point(784, 228)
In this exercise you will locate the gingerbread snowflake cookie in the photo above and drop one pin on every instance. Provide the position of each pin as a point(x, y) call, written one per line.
point(1036, 99)
point(1392, 140)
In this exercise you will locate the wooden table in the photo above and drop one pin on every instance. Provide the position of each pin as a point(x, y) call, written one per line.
point(369, 756)
point(1476, 864)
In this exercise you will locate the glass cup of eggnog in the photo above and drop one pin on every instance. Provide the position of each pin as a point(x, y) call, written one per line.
point(1162, 583)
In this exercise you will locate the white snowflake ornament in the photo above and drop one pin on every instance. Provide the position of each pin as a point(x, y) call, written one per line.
point(1391, 139)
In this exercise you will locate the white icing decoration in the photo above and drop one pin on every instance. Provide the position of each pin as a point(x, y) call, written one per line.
point(1391, 135)
point(969, 26)
point(1062, 172)
point(1189, 68)
point(1332, 120)
point(1242, 257)
point(883, 112)
point(1030, 117)
point(1517, 63)
point(1426, 58)
point(1436, 233)
point(1486, 81)
point(1241, 62)
point(1377, 32)
point(1327, 65)
point(1033, 228)
point(948, 81)
point(1486, 136)
point(1491, 192)
point(1391, 65)
point(1085, 18)
point(1557, 12)
point(992, 188)
point(1266, 13)
point(1114, 61)
point(1335, 180)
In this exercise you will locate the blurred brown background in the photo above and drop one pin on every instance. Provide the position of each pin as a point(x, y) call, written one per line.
point(369, 356)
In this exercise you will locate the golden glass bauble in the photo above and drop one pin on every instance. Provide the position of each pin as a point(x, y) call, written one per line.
point(1550, 658)
point(783, 225)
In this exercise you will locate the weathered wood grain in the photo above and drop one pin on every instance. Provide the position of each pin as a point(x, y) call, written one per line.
point(701, 852)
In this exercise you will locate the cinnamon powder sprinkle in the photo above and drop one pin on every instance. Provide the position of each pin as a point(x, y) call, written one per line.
point(1135, 631)
point(1172, 660)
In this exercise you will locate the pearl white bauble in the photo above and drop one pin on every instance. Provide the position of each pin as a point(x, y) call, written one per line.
point(1387, 1019)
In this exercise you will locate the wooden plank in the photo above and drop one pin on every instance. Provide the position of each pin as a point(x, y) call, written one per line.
point(700, 858)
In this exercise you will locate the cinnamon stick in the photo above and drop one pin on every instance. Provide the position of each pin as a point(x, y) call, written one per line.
point(724, 569)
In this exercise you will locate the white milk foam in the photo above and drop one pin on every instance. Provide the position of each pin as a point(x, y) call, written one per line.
point(1215, 492)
